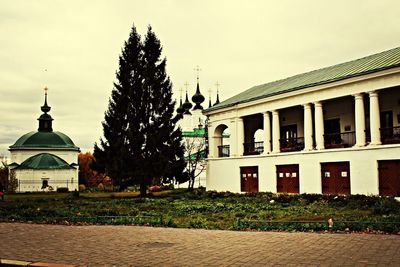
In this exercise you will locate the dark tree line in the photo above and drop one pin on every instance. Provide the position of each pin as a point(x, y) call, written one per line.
point(141, 140)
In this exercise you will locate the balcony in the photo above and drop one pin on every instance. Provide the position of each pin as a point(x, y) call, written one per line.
point(390, 135)
point(223, 151)
point(339, 140)
point(292, 144)
point(253, 148)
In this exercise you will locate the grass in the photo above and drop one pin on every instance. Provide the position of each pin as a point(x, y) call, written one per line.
point(208, 210)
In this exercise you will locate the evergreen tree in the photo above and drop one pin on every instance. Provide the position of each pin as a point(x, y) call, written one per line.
point(113, 154)
point(162, 149)
point(142, 140)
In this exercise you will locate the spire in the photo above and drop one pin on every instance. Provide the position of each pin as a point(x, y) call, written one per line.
point(209, 98)
point(45, 120)
point(198, 98)
point(217, 84)
point(187, 105)
point(180, 109)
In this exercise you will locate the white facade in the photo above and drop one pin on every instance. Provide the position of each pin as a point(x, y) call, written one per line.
point(333, 122)
point(31, 180)
point(44, 160)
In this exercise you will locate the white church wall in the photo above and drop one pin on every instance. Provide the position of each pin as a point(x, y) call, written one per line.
point(30, 180)
point(223, 174)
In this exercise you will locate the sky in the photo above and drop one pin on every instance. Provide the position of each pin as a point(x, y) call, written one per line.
point(72, 47)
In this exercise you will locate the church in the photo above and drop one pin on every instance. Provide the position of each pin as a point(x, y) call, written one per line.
point(193, 125)
point(334, 130)
point(44, 160)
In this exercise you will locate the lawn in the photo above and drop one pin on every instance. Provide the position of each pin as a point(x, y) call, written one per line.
point(209, 210)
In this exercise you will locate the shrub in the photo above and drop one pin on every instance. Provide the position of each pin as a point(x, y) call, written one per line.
point(386, 206)
point(100, 187)
point(167, 187)
point(155, 188)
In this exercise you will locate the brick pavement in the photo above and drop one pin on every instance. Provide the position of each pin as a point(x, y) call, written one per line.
point(148, 246)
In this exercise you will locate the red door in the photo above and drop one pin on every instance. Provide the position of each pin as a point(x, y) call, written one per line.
point(335, 178)
point(287, 178)
point(249, 179)
point(389, 177)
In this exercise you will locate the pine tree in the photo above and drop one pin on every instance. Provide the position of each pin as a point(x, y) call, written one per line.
point(162, 149)
point(113, 154)
point(142, 140)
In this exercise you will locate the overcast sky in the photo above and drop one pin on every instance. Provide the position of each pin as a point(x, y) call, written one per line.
point(238, 43)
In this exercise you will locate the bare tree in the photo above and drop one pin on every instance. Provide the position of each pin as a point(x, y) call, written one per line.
point(195, 157)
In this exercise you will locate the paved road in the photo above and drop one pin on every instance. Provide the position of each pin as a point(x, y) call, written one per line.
point(148, 246)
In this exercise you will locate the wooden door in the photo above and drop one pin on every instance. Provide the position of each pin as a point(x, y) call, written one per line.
point(335, 178)
point(389, 177)
point(287, 178)
point(249, 179)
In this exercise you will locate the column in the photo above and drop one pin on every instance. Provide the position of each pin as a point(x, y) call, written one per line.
point(267, 133)
point(308, 141)
point(212, 147)
point(360, 120)
point(319, 126)
point(233, 138)
point(240, 136)
point(375, 120)
point(276, 132)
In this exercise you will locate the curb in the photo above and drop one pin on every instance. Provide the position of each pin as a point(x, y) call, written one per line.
point(10, 263)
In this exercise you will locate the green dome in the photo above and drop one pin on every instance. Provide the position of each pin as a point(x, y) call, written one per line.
point(44, 161)
point(41, 139)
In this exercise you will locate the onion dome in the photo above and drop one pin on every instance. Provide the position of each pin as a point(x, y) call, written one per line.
point(187, 105)
point(209, 102)
point(180, 109)
point(198, 98)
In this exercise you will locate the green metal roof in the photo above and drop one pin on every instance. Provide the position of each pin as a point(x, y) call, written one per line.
point(373, 63)
point(44, 161)
point(195, 133)
point(41, 139)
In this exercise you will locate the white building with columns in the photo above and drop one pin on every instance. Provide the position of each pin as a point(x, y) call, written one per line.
point(334, 130)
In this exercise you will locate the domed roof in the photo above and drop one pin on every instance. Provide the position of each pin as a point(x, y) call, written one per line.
point(45, 137)
point(40, 139)
point(45, 161)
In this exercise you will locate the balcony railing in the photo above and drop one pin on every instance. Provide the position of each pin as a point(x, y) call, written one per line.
point(339, 140)
point(223, 151)
point(292, 144)
point(390, 135)
point(253, 148)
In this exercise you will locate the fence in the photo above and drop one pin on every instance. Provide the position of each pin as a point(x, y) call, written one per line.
point(46, 185)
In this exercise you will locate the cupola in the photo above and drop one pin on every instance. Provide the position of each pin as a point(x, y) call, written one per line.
point(45, 120)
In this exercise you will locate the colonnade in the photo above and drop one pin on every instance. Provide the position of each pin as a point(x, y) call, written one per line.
point(272, 141)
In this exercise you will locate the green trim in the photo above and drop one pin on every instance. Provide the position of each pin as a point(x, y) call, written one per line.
point(366, 65)
point(44, 161)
